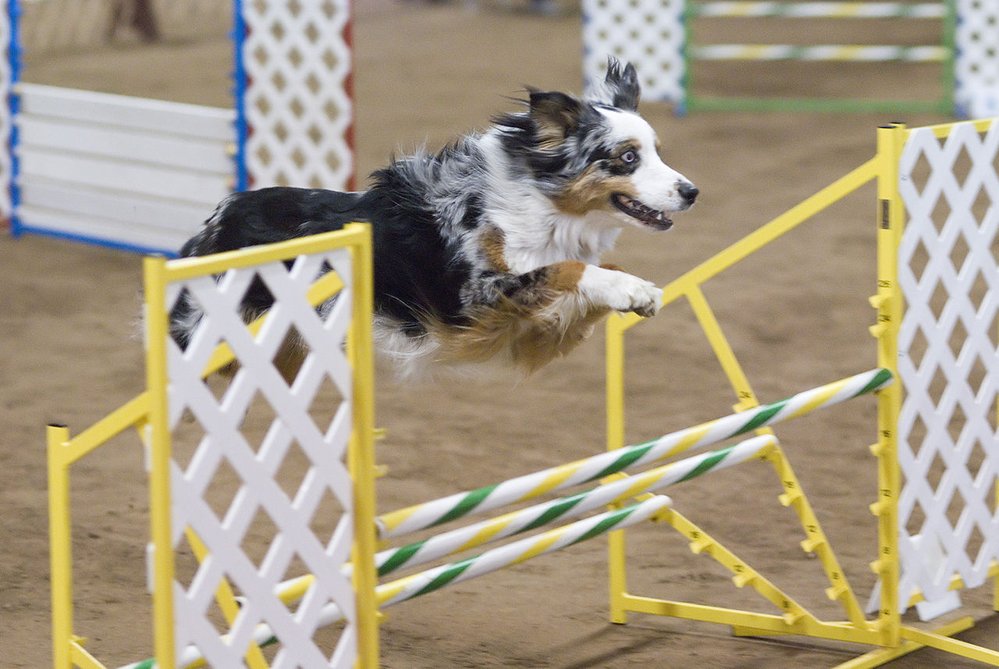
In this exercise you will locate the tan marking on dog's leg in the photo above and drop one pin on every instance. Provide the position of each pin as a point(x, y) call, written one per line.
point(565, 275)
point(494, 246)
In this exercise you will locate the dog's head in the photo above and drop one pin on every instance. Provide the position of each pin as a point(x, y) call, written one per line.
point(598, 154)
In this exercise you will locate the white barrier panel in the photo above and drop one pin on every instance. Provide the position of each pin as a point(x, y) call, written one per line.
point(648, 33)
point(264, 506)
point(948, 449)
point(976, 67)
point(129, 171)
point(295, 61)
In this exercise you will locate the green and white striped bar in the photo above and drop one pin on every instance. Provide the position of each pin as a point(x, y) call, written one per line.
point(820, 52)
point(430, 580)
point(529, 486)
point(813, 10)
point(519, 551)
point(564, 508)
point(471, 536)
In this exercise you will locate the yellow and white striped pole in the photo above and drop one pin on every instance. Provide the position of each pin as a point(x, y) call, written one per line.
point(430, 580)
point(440, 511)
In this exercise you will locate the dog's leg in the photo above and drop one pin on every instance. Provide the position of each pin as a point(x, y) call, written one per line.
point(592, 287)
point(545, 313)
point(619, 290)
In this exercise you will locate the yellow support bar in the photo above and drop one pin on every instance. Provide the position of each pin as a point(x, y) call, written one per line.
point(723, 352)
point(953, 646)
point(880, 656)
point(888, 300)
point(944, 129)
point(743, 574)
point(130, 414)
point(60, 548)
point(747, 622)
point(362, 448)
point(616, 546)
point(839, 589)
point(189, 268)
point(81, 658)
point(157, 332)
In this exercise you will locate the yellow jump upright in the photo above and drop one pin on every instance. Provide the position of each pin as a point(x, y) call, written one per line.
point(323, 299)
point(905, 208)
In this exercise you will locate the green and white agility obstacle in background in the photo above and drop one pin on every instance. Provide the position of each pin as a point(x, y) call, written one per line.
point(662, 38)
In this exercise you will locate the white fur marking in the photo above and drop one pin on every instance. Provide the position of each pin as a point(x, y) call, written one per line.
point(620, 291)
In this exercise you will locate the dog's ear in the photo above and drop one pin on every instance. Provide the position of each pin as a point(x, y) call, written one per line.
point(555, 115)
point(620, 87)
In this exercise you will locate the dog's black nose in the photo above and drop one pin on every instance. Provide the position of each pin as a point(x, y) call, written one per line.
point(688, 192)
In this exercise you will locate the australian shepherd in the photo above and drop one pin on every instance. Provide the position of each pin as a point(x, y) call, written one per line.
point(490, 249)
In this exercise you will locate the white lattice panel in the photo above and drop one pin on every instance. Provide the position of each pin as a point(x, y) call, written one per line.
point(259, 492)
point(297, 59)
point(949, 366)
point(648, 33)
point(977, 58)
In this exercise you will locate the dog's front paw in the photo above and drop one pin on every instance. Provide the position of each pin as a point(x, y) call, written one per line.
point(621, 291)
point(647, 300)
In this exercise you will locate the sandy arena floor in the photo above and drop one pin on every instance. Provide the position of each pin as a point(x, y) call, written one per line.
point(797, 315)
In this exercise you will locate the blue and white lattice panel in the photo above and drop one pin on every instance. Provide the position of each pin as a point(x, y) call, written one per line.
point(6, 122)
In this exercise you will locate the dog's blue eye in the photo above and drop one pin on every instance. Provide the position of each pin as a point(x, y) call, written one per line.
point(629, 157)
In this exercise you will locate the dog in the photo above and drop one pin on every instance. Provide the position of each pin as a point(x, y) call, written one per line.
point(488, 250)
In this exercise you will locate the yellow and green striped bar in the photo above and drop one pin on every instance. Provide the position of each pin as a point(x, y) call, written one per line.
point(563, 508)
point(430, 580)
point(821, 52)
point(525, 520)
point(529, 486)
point(812, 10)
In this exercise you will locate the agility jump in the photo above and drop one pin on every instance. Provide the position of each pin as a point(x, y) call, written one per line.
point(254, 349)
point(667, 39)
point(140, 174)
point(255, 600)
point(914, 170)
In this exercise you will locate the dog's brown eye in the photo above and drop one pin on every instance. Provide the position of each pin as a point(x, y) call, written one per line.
point(629, 157)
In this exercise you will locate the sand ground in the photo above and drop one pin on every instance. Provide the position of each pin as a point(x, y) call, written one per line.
point(797, 316)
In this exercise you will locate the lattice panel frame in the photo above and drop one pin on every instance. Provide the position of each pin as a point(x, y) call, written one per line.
point(948, 446)
point(976, 61)
point(647, 33)
point(297, 64)
point(226, 445)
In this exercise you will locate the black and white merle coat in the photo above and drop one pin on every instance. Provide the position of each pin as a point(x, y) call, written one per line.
point(489, 249)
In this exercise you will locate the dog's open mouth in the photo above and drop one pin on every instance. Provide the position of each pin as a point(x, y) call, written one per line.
point(651, 217)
